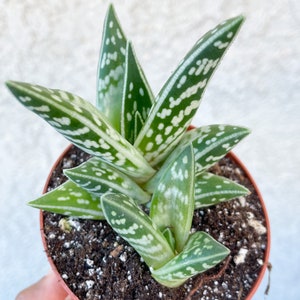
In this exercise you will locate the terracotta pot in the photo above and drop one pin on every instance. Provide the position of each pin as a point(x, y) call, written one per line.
point(234, 158)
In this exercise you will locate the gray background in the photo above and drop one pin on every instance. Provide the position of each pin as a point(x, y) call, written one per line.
point(55, 43)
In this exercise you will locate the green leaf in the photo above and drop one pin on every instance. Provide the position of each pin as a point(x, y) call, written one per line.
point(168, 234)
point(210, 144)
point(211, 189)
point(201, 253)
point(135, 226)
point(172, 203)
point(137, 97)
point(111, 69)
point(213, 142)
point(71, 200)
point(97, 177)
point(180, 97)
point(81, 123)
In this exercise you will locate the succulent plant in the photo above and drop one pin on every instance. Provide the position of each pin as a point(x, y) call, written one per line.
point(148, 171)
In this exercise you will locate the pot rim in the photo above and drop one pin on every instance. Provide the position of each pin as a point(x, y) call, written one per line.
point(268, 226)
point(232, 156)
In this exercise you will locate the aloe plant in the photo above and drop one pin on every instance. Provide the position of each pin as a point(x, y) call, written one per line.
point(143, 154)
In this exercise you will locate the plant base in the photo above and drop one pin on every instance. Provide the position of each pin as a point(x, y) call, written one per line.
point(95, 263)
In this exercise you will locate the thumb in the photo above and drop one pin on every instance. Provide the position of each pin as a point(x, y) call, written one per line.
point(47, 288)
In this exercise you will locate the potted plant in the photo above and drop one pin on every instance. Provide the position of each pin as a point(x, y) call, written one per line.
point(131, 214)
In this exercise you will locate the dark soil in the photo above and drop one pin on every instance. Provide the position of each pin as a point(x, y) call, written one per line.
point(97, 264)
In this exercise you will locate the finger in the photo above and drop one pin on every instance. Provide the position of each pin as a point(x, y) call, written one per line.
point(47, 288)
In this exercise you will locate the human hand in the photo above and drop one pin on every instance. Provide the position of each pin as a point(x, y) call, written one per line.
point(47, 288)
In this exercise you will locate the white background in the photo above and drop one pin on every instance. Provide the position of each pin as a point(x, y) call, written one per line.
point(56, 43)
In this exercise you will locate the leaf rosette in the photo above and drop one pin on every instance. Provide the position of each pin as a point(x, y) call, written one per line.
point(142, 154)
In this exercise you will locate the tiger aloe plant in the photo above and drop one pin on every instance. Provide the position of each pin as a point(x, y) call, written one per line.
point(147, 172)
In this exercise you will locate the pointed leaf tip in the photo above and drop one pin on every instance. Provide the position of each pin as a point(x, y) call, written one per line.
point(12, 85)
point(180, 97)
point(70, 199)
point(201, 253)
point(111, 69)
point(137, 97)
point(211, 189)
point(8, 83)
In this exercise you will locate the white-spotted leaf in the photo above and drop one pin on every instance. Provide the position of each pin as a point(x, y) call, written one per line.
point(172, 203)
point(71, 200)
point(111, 69)
point(144, 159)
point(211, 189)
point(98, 177)
point(213, 142)
point(137, 97)
point(135, 226)
point(210, 144)
point(180, 97)
point(84, 125)
point(200, 253)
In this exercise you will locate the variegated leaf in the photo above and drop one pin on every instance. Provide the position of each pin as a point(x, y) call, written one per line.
point(137, 97)
point(213, 142)
point(81, 123)
point(180, 97)
point(71, 200)
point(201, 253)
point(111, 69)
point(172, 203)
point(168, 234)
point(135, 226)
point(211, 189)
point(210, 144)
point(97, 177)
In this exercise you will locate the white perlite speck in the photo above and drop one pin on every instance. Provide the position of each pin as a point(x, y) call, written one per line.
point(52, 236)
point(89, 262)
point(123, 257)
point(75, 224)
point(242, 201)
point(90, 283)
point(258, 227)
point(240, 257)
point(91, 272)
point(67, 245)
